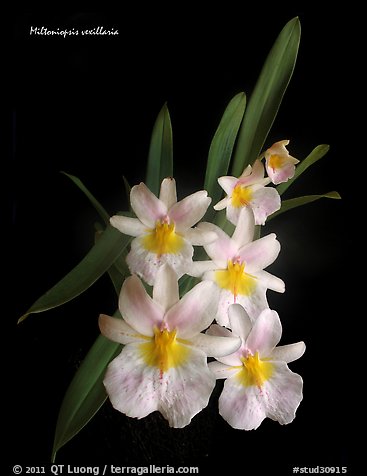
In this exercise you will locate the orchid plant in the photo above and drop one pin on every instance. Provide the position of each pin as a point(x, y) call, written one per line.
point(152, 355)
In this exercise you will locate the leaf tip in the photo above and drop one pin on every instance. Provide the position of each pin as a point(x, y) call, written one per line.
point(22, 318)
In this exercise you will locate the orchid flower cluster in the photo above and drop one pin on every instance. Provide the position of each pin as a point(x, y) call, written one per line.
point(163, 365)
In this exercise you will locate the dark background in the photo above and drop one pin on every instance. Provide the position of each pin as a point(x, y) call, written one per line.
point(87, 106)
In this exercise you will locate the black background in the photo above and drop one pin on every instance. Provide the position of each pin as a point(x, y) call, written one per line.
point(87, 106)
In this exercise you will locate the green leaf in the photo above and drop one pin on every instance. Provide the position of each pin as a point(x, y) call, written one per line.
point(97, 261)
point(102, 212)
point(267, 96)
point(86, 393)
point(313, 157)
point(160, 159)
point(297, 202)
point(221, 148)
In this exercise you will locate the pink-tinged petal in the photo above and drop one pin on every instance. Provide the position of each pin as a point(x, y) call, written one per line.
point(240, 321)
point(198, 268)
point(265, 334)
point(217, 330)
point(221, 370)
point(256, 175)
point(223, 248)
point(246, 172)
point(228, 184)
point(233, 213)
point(168, 193)
point(282, 394)
point(233, 359)
point(146, 264)
point(128, 226)
point(195, 311)
point(285, 169)
point(242, 407)
point(265, 201)
point(278, 148)
point(216, 346)
point(132, 385)
point(117, 330)
point(137, 308)
point(190, 210)
point(288, 353)
point(185, 390)
point(165, 289)
point(222, 204)
point(199, 237)
point(244, 231)
point(282, 174)
point(147, 207)
point(270, 281)
point(260, 253)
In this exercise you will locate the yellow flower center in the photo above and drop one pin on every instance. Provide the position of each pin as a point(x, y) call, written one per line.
point(163, 239)
point(164, 351)
point(276, 161)
point(254, 371)
point(235, 279)
point(241, 196)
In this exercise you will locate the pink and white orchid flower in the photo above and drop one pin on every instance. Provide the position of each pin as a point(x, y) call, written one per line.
point(259, 383)
point(163, 365)
point(163, 229)
point(280, 166)
point(237, 267)
point(249, 190)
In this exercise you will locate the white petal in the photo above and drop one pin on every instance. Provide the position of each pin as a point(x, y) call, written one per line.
point(278, 148)
point(233, 213)
point(222, 204)
point(198, 268)
point(228, 184)
point(185, 390)
point(231, 359)
point(215, 346)
point(240, 321)
point(216, 330)
point(241, 406)
point(190, 210)
point(265, 334)
point(223, 248)
point(195, 311)
point(282, 174)
point(132, 385)
point(128, 226)
point(117, 330)
point(288, 353)
point(165, 289)
point(265, 201)
point(147, 207)
point(221, 370)
point(146, 264)
point(168, 193)
point(282, 394)
point(199, 237)
point(270, 281)
point(244, 231)
point(260, 253)
point(137, 308)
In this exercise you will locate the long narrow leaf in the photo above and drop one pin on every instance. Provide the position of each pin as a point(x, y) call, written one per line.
point(313, 157)
point(102, 212)
point(297, 202)
point(267, 96)
point(221, 148)
point(160, 159)
point(99, 259)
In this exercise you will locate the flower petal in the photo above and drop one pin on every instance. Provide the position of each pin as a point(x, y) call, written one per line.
point(199, 237)
point(240, 321)
point(165, 289)
point(128, 226)
point(137, 308)
point(221, 370)
point(270, 281)
point(145, 263)
point(265, 334)
point(260, 253)
point(215, 346)
point(244, 231)
point(233, 213)
point(228, 183)
point(231, 359)
point(147, 207)
point(222, 204)
point(198, 268)
point(190, 210)
point(217, 330)
point(256, 175)
point(185, 390)
point(288, 353)
point(167, 192)
point(195, 311)
point(117, 330)
point(265, 201)
point(223, 248)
